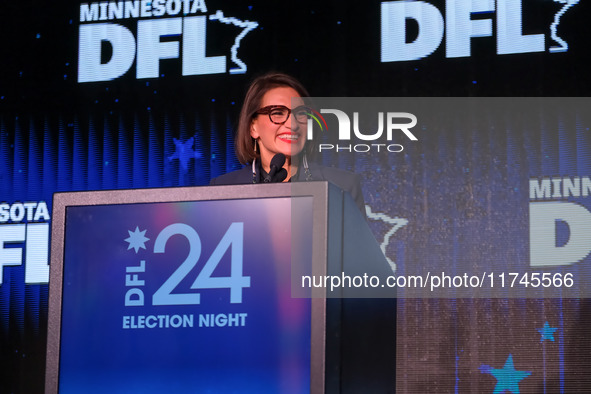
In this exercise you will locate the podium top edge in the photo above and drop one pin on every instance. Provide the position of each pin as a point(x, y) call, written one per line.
point(190, 193)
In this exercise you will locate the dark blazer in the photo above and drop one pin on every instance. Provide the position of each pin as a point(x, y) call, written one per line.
point(345, 180)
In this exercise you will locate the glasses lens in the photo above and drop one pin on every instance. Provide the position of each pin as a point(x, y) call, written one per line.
point(279, 114)
point(302, 114)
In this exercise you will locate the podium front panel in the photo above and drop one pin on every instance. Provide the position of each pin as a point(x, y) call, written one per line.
point(180, 296)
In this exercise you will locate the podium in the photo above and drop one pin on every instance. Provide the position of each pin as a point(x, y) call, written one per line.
point(204, 289)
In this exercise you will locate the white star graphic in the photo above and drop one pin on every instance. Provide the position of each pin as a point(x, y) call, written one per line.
point(136, 239)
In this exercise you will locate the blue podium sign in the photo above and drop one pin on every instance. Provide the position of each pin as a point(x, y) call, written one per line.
point(180, 296)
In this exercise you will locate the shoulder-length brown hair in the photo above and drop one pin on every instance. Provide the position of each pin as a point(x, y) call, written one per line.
point(252, 102)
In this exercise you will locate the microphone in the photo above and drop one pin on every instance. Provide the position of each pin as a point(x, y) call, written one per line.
point(276, 172)
point(279, 176)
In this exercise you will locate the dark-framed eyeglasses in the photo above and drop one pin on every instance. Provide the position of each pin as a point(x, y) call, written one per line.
point(279, 114)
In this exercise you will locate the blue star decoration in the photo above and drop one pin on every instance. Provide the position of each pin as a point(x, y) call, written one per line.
point(184, 152)
point(547, 332)
point(507, 378)
point(137, 239)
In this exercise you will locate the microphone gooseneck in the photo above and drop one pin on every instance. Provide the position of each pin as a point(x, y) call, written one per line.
point(276, 169)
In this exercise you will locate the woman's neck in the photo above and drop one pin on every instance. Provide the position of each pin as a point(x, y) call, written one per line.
point(291, 166)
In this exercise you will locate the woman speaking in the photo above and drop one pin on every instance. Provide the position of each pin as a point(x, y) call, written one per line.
point(271, 139)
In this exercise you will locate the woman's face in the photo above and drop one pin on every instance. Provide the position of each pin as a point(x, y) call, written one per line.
point(287, 138)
